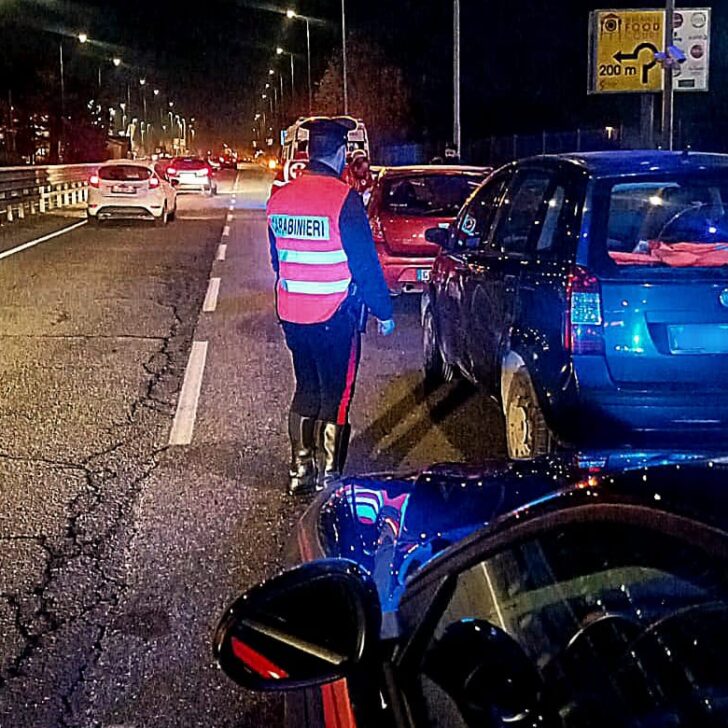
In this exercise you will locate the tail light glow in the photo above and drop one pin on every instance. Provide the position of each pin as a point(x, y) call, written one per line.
point(583, 330)
point(94, 181)
point(171, 171)
point(204, 172)
point(153, 182)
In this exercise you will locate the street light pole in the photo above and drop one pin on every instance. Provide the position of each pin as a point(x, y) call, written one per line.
point(668, 96)
point(457, 131)
point(292, 14)
point(61, 131)
point(343, 55)
point(308, 51)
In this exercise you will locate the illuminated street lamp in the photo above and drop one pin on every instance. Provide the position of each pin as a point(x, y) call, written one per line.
point(116, 61)
point(156, 92)
point(292, 15)
point(82, 38)
point(142, 81)
point(280, 52)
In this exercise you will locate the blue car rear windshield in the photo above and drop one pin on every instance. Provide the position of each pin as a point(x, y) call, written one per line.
point(679, 222)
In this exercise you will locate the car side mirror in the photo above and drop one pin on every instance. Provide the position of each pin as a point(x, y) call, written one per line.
point(314, 624)
point(438, 236)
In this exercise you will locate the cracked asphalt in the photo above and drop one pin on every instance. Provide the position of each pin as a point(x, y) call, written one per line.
point(118, 552)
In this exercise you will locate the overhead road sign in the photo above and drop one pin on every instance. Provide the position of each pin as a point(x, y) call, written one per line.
point(623, 45)
point(692, 36)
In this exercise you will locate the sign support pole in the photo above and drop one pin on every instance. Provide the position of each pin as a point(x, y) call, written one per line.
point(647, 121)
point(668, 96)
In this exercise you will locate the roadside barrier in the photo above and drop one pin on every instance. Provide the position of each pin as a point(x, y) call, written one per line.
point(29, 190)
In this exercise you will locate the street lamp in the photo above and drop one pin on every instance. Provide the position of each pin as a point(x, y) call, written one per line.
point(280, 52)
point(142, 81)
point(156, 92)
point(82, 38)
point(116, 61)
point(291, 15)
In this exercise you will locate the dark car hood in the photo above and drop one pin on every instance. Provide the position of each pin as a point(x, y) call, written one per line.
point(393, 525)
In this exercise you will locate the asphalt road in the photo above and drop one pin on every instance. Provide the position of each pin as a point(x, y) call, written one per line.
point(119, 551)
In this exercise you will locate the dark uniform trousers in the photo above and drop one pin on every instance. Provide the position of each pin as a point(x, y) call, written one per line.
point(325, 360)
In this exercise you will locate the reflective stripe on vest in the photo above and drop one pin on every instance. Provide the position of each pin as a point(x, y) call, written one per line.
point(312, 257)
point(316, 288)
point(314, 274)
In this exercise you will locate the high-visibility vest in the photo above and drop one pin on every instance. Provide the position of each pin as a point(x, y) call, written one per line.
point(314, 274)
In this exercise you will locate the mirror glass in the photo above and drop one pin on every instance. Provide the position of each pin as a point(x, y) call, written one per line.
point(437, 235)
point(308, 626)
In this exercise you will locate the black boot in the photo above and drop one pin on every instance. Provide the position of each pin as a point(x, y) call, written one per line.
point(302, 474)
point(332, 445)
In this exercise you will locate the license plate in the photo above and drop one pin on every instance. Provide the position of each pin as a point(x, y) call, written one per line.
point(423, 274)
point(124, 189)
point(698, 339)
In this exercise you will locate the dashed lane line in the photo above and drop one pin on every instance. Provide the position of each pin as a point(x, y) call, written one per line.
point(221, 251)
point(183, 425)
point(229, 217)
point(226, 231)
point(213, 291)
point(37, 241)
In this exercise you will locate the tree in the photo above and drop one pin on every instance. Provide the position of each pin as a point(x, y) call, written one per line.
point(377, 90)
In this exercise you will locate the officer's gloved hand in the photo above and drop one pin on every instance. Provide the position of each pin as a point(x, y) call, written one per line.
point(386, 328)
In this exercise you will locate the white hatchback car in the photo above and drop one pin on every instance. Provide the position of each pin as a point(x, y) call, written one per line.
point(126, 189)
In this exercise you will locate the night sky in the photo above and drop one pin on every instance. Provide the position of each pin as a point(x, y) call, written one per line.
point(524, 63)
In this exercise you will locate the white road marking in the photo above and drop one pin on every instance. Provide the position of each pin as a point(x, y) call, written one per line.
point(213, 290)
point(229, 217)
point(37, 241)
point(221, 251)
point(226, 231)
point(183, 425)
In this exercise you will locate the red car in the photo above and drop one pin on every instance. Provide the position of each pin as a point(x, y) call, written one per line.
point(405, 202)
point(192, 173)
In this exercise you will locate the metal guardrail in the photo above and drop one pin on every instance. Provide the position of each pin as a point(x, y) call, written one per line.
point(30, 190)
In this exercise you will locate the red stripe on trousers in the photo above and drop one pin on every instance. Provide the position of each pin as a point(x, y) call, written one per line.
point(343, 414)
point(338, 712)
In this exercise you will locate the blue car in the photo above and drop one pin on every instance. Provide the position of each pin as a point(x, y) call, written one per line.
point(566, 592)
point(588, 293)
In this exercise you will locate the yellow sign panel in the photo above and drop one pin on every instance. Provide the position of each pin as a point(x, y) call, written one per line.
point(624, 43)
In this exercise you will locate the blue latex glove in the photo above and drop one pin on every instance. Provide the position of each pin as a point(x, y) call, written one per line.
point(386, 328)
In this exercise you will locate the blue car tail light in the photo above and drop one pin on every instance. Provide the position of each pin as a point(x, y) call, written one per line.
point(583, 331)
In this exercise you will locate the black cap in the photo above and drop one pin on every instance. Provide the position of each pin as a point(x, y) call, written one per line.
point(327, 134)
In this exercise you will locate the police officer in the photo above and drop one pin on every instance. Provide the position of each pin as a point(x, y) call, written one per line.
point(328, 276)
